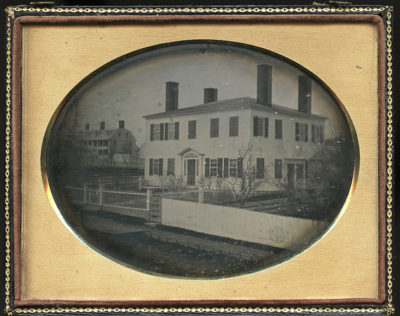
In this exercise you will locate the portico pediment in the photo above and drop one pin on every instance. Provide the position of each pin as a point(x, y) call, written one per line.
point(190, 153)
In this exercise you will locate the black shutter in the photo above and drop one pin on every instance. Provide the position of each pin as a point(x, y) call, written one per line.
point(226, 167)
point(306, 132)
point(151, 131)
point(150, 167)
point(239, 167)
point(255, 127)
point(260, 168)
point(220, 167)
point(160, 167)
point(266, 127)
point(321, 134)
point(166, 131)
point(207, 168)
point(297, 132)
point(161, 131)
point(176, 130)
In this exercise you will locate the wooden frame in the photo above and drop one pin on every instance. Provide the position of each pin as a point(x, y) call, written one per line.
point(379, 17)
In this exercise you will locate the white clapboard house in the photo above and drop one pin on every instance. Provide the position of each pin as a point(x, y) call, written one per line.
point(206, 140)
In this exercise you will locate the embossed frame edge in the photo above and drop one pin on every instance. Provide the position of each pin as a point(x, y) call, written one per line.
point(12, 171)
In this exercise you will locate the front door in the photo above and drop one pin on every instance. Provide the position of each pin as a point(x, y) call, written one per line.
point(191, 171)
point(290, 175)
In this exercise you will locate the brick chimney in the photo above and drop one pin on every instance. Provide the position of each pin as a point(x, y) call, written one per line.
point(121, 124)
point(210, 95)
point(304, 94)
point(264, 84)
point(102, 125)
point(172, 93)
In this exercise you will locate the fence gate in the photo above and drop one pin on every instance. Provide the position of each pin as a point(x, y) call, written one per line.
point(155, 209)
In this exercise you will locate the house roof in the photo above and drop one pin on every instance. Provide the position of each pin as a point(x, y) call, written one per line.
point(233, 104)
point(102, 134)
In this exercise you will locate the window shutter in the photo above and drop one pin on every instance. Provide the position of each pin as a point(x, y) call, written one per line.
point(150, 167)
point(306, 132)
point(321, 134)
point(166, 131)
point(160, 167)
point(278, 168)
point(176, 130)
point(240, 167)
point(297, 135)
point(161, 131)
point(266, 127)
point(255, 127)
point(220, 167)
point(226, 167)
point(151, 131)
point(207, 168)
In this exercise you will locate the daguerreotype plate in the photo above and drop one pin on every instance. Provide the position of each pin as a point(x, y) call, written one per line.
point(200, 159)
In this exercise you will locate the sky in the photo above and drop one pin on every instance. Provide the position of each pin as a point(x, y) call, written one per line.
point(135, 86)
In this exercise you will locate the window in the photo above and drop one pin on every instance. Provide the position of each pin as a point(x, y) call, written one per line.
point(213, 167)
point(171, 131)
point(207, 168)
point(260, 126)
point(233, 167)
point(191, 129)
point(214, 127)
point(317, 134)
point(106, 143)
point(266, 127)
point(164, 131)
point(105, 152)
point(158, 167)
point(301, 132)
point(157, 132)
point(171, 167)
point(278, 129)
point(278, 168)
point(233, 126)
point(260, 168)
point(95, 143)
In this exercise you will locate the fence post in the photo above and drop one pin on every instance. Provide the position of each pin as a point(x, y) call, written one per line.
point(148, 197)
point(85, 193)
point(201, 194)
point(100, 194)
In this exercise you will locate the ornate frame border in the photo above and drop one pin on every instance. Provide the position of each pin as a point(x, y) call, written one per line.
point(385, 12)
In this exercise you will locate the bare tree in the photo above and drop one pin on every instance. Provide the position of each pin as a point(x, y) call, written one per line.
point(246, 183)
